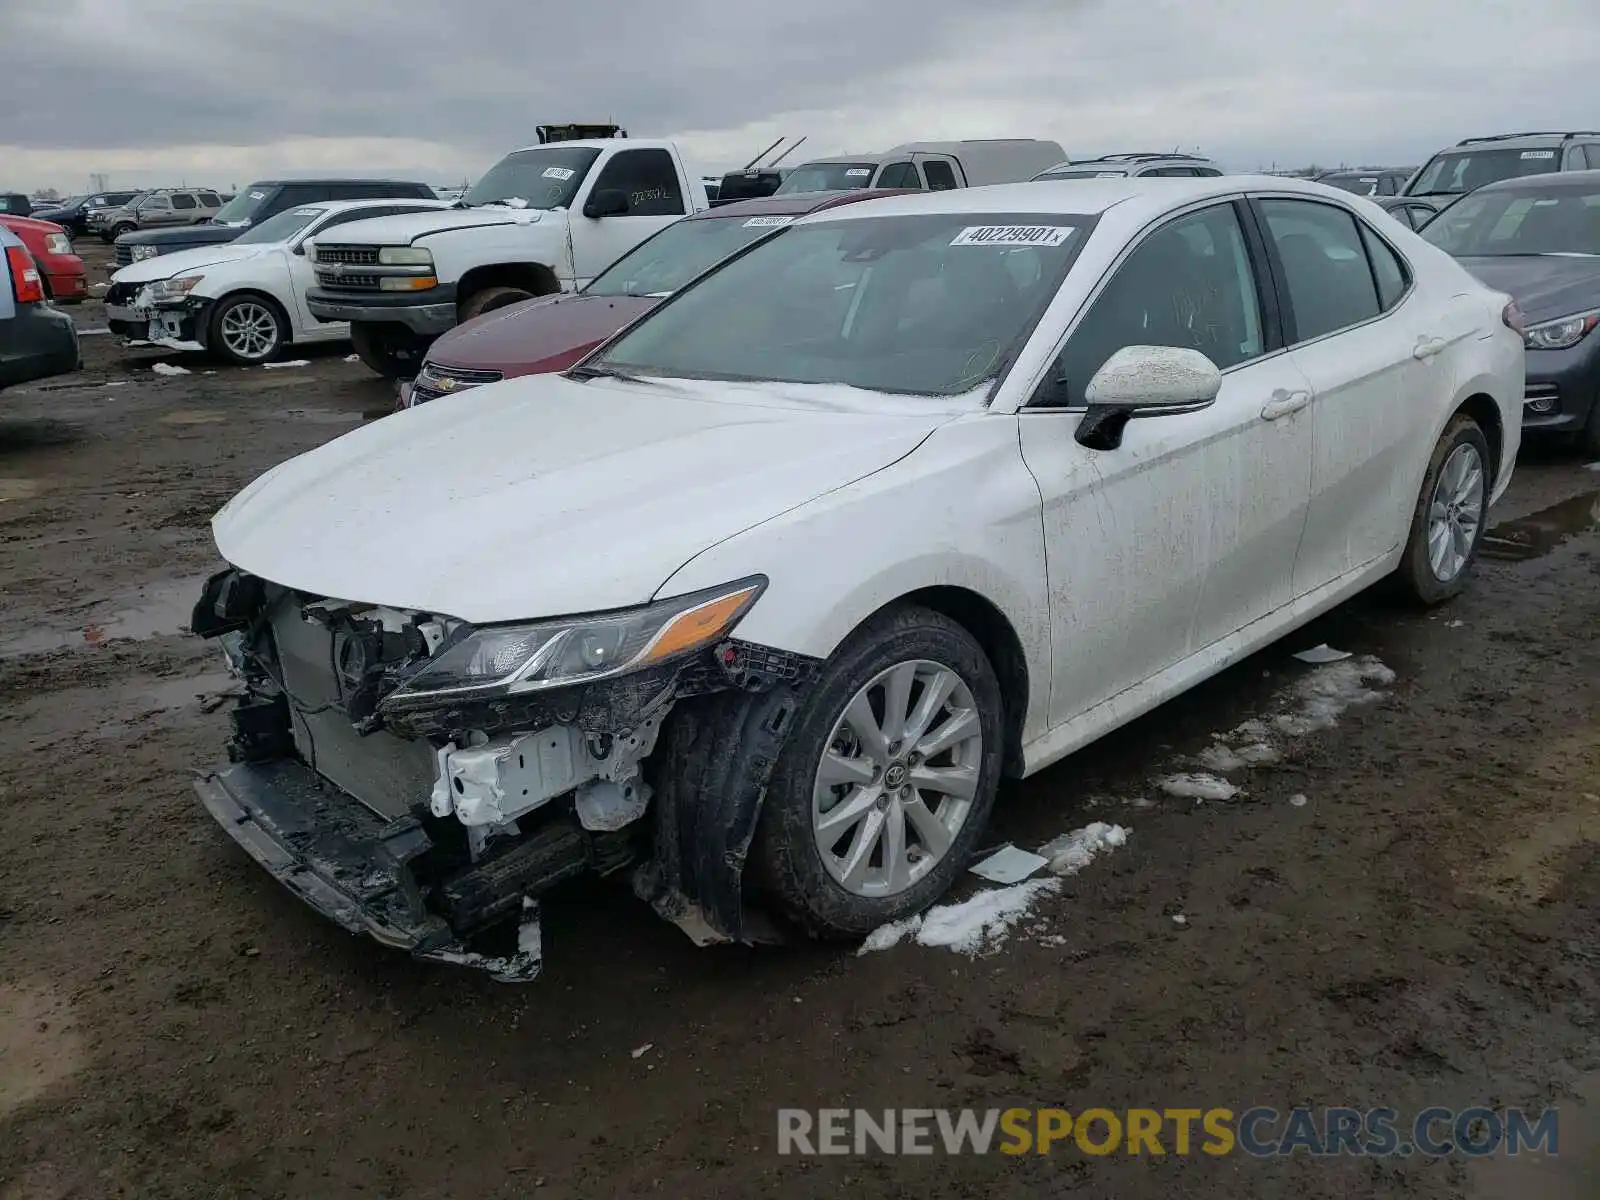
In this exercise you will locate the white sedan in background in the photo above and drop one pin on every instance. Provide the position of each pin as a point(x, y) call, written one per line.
point(908, 496)
point(242, 300)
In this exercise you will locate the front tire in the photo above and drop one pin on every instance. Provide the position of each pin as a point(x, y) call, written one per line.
point(887, 778)
point(392, 352)
point(491, 298)
point(247, 330)
point(1452, 508)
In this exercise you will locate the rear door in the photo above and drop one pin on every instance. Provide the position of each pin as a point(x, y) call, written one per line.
point(1364, 338)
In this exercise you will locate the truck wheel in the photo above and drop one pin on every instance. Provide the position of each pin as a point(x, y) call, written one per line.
point(246, 330)
point(391, 351)
point(885, 782)
point(491, 298)
point(1447, 524)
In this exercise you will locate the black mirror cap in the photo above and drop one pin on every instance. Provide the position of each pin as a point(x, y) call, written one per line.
point(607, 202)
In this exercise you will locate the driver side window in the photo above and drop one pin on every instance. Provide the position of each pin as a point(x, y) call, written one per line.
point(648, 179)
point(1188, 284)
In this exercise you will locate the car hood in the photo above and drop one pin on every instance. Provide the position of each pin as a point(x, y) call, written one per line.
point(188, 235)
point(545, 496)
point(1545, 286)
point(547, 334)
point(31, 224)
point(182, 262)
point(403, 230)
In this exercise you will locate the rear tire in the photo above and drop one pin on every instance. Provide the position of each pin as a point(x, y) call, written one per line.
point(911, 839)
point(391, 351)
point(491, 298)
point(120, 230)
point(1452, 510)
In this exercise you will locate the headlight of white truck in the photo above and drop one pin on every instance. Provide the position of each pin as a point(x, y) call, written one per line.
point(405, 256)
point(505, 660)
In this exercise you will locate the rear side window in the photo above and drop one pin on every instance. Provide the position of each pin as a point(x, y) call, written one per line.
point(899, 175)
point(1324, 265)
point(1591, 154)
point(1392, 277)
point(939, 175)
point(184, 200)
point(211, 199)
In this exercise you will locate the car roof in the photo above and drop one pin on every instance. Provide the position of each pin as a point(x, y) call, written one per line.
point(601, 144)
point(795, 204)
point(319, 180)
point(1144, 195)
point(1548, 180)
point(1511, 141)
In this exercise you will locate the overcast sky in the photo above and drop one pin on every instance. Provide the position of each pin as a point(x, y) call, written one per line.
point(218, 92)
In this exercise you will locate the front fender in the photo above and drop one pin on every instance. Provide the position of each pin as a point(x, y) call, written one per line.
point(960, 511)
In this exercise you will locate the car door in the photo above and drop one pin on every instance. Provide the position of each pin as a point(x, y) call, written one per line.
point(185, 208)
point(1369, 346)
point(156, 212)
point(1187, 532)
point(648, 178)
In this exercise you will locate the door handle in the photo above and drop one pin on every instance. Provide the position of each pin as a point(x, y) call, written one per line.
point(1426, 348)
point(1283, 403)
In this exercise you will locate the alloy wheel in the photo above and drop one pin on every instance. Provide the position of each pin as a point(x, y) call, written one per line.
point(250, 330)
point(897, 778)
point(1455, 513)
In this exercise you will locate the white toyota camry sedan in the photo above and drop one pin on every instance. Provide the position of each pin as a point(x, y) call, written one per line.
point(758, 603)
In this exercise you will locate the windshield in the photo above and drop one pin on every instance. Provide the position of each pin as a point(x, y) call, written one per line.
point(678, 253)
point(1360, 185)
point(1082, 173)
point(548, 177)
point(1520, 220)
point(279, 227)
point(932, 304)
point(827, 177)
point(1458, 171)
point(242, 209)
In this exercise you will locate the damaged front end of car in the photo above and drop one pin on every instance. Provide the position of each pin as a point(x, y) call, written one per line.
point(426, 781)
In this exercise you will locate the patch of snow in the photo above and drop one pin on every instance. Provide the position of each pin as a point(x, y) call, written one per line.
point(293, 362)
point(116, 383)
point(162, 368)
point(973, 926)
point(641, 1051)
point(1008, 865)
point(1198, 787)
point(1324, 653)
point(1298, 800)
point(352, 358)
point(1179, 920)
point(1594, 466)
point(1071, 852)
point(1454, 624)
point(1326, 694)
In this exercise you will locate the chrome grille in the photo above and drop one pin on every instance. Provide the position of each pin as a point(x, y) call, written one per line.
point(339, 281)
point(435, 380)
point(359, 256)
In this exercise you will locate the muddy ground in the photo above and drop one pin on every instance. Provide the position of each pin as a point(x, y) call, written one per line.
point(1420, 931)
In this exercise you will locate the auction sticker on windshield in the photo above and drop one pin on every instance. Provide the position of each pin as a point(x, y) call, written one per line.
point(1538, 154)
point(562, 173)
point(857, 172)
point(767, 222)
point(1012, 235)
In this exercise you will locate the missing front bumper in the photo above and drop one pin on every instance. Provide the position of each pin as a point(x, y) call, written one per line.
point(349, 864)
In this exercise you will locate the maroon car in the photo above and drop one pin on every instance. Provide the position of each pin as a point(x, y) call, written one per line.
point(553, 332)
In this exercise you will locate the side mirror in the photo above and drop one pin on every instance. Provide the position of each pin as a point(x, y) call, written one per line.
point(607, 202)
point(1144, 381)
point(300, 249)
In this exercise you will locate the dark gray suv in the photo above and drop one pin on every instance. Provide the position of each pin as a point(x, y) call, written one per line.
point(1473, 162)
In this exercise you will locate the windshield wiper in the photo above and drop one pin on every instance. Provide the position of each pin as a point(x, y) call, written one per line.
point(588, 373)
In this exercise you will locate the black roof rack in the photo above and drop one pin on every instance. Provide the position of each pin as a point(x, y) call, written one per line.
point(1140, 156)
point(1506, 137)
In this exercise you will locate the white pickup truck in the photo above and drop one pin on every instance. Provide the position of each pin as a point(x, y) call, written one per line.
point(544, 219)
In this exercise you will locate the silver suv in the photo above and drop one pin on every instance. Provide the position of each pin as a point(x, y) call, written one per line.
point(1126, 166)
point(1473, 162)
point(161, 209)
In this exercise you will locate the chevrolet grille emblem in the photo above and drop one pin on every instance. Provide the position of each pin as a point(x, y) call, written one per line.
point(338, 268)
point(446, 384)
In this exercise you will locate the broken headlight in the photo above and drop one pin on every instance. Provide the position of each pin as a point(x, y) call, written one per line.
point(502, 660)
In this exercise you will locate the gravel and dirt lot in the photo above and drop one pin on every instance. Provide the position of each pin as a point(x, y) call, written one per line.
point(1419, 930)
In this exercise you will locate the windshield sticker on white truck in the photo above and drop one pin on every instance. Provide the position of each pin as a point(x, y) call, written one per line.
point(258, 195)
point(767, 222)
point(562, 173)
point(1538, 154)
point(1012, 235)
point(858, 172)
point(308, 212)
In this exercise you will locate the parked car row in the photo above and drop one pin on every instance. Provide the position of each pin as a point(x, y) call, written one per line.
point(622, 619)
